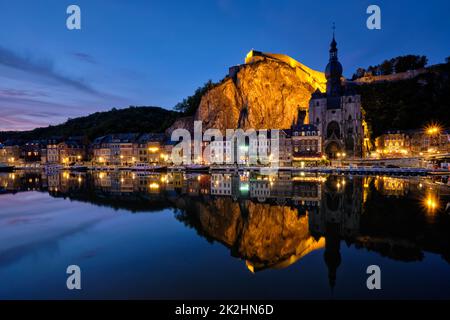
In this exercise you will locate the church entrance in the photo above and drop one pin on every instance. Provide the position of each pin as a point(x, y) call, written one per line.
point(333, 130)
point(332, 149)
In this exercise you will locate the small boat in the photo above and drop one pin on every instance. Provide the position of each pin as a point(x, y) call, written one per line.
point(6, 168)
point(79, 168)
point(147, 167)
point(197, 168)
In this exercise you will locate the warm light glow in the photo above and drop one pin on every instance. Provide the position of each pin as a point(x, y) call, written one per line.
point(153, 149)
point(431, 202)
point(154, 185)
point(433, 129)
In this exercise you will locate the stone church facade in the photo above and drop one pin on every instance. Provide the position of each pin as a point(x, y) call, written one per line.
point(337, 113)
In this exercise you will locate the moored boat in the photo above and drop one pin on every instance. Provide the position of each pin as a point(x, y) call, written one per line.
point(147, 167)
point(79, 168)
point(6, 168)
point(197, 168)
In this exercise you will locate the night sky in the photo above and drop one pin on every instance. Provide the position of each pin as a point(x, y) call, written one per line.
point(158, 52)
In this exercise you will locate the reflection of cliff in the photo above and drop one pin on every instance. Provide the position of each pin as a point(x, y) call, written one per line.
point(264, 235)
point(274, 230)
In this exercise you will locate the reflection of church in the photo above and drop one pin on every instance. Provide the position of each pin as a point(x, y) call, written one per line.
point(338, 218)
point(337, 113)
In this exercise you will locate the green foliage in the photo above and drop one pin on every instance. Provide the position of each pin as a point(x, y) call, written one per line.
point(190, 104)
point(132, 119)
point(408, 104)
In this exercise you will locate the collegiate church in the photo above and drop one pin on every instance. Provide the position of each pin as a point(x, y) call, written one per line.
point(337, 113)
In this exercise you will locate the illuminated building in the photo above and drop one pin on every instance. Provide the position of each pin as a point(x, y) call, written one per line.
point(337, 113)
point(306, 142)
point(149, 148)
point(393, 143)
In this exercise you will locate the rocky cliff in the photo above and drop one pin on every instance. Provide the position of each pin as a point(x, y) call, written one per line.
point(265, 92)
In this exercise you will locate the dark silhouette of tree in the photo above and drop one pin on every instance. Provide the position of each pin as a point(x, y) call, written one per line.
point(386, 67)
point(398, 64)
point(190, 104)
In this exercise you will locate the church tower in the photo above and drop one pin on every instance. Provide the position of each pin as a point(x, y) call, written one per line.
point(333, 71)
point(337, 112)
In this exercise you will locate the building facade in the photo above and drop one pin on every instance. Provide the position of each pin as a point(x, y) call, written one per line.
point(149, 148)
point(393, 143)
point(306, 142)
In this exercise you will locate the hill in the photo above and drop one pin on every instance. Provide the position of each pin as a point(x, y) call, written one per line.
point(409, 103)
point(132, 119)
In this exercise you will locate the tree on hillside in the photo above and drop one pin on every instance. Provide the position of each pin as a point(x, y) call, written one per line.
point(409, 62)
point(397, 64)
point(190, 104)
point(359, 73)
point(387, 67)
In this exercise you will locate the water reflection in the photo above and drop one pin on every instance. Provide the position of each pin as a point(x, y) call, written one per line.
point(273, 221)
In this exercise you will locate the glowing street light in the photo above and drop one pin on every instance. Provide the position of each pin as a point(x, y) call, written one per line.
point(433, 130)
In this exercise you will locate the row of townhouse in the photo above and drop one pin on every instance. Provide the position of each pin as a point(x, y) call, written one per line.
point(130, 148)
point(296, 146)
point(113, 149)
point(413, 142)
point(300, 145)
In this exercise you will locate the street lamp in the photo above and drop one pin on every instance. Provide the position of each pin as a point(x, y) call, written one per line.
point(433, 131)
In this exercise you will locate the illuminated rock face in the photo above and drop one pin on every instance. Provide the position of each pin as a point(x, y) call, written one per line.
point(266, 236)
point(272, 87)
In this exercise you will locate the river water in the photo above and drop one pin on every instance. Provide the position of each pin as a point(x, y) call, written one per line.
point(206, 236)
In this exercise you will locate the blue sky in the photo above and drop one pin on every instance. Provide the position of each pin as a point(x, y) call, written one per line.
point(140, 52)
